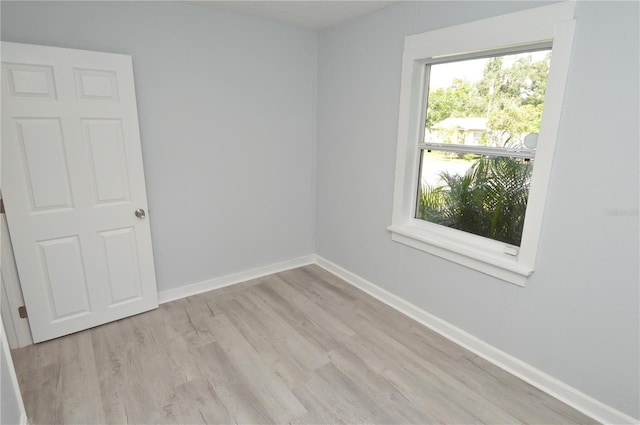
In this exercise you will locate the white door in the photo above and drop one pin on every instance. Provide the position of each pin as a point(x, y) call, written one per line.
point(72, 182)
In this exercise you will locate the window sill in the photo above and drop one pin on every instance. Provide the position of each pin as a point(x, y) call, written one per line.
point(471, 252)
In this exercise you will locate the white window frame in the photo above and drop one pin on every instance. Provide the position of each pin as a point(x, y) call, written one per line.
point(553, 24)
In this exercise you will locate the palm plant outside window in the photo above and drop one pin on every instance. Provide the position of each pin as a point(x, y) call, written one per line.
point(478, 150)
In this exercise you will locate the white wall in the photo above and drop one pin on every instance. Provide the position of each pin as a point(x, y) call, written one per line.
point(227, 118)
point(578, 317)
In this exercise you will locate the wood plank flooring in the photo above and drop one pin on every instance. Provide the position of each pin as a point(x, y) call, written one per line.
point(299, 347)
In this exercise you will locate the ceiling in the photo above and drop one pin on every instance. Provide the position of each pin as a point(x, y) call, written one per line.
point(314, 15)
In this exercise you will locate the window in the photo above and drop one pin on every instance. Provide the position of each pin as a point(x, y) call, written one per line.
point(480, 105)
point(477, 184)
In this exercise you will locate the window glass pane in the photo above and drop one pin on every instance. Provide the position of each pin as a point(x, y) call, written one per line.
point(479, 194)
point(494, 101)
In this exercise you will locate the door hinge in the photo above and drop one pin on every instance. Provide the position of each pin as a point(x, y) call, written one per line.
point(1, 206)
point(22, 312)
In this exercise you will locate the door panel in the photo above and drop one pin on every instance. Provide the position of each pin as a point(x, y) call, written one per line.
point(120, 250)
point(41, 148)
point(31, 81)
point(108, 160)
point(93, 85)
point(63, 271)
point(72, 180)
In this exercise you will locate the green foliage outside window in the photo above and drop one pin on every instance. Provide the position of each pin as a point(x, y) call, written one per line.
point(490, 200)
point(509, 97)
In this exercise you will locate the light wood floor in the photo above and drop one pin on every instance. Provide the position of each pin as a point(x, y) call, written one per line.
point(300, 346)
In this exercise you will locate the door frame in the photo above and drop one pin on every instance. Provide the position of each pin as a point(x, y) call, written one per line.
point(5, 353)
point(17, 328)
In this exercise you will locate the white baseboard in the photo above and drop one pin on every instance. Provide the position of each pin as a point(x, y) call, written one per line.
point(552, 386)
point(231, 279)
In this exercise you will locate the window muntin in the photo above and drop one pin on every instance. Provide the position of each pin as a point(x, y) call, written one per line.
point(475, 168)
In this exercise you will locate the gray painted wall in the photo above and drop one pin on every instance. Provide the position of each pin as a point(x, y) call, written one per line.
point(578, 317)
point(227, 118)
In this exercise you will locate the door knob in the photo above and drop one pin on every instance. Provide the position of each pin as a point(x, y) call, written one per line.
point(140, 213)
